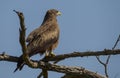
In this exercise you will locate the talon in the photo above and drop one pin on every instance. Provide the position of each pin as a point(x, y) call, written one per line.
point(52, 54)
point(46, 54)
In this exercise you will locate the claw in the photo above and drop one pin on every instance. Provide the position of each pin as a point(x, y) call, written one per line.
point(46, 54)
point(52, 54)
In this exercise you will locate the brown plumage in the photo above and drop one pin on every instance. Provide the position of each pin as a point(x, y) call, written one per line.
point(43, 39)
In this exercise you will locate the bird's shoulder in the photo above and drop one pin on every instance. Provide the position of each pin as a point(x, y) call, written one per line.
point(32, 35)
point(38, 32)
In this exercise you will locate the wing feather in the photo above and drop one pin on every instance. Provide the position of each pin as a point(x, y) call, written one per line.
point(42, 38)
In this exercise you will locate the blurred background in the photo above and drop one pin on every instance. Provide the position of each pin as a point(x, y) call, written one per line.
point(85, 25)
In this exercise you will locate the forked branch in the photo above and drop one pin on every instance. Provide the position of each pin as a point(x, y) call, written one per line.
point(108, 58)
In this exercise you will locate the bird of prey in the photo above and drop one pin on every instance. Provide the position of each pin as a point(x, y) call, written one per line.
point(43, 39)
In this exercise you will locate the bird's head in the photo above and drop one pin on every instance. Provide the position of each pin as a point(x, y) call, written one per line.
point(53, 12)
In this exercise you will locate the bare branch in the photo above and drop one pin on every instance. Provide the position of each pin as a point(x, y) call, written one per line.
point(69, 55)
point(104, 64)
point(108, 58)
point(22, 31)
point(116, 42)
point(58, 58)
point(80, 71)
point(5, 57)
point(100, 60)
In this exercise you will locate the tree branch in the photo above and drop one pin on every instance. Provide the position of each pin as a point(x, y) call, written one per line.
point(80, 71)
point(6, 57)
point(116, 42)
point(22, 40)
point(58, 58)
point(108, 58)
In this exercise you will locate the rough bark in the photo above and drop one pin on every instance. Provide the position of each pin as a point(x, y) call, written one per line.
point(74, 71)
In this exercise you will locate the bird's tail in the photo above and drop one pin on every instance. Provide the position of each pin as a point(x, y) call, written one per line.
point(20, 63)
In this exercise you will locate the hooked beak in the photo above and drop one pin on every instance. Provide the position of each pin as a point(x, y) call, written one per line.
point(59, 13)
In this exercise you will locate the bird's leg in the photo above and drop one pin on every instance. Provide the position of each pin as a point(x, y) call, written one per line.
point(46, 53)
point(49, 54)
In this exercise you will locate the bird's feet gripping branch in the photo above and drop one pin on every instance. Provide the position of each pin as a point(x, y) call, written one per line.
point(49, 54)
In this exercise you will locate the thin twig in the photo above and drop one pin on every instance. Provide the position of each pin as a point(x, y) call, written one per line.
point(116, 42)
point(107, 61)
point(108, 58)
point(104, 64)
point(100, 60)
